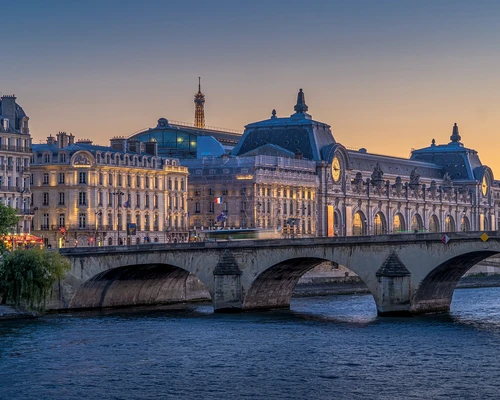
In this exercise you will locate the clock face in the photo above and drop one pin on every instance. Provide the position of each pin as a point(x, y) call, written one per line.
point(484, 186)
point(336, 170)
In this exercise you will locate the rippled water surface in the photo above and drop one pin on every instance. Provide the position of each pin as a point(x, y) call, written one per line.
point(324, 348)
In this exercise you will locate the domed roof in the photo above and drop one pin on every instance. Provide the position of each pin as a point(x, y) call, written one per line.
point(298, 133)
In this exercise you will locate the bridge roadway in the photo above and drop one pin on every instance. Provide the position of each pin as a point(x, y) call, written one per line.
point(406, 274)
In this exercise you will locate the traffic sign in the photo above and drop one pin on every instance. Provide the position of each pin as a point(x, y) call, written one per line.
point(445, 239)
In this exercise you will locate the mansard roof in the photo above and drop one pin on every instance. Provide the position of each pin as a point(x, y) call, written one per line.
point(454, 158)
point(298, 133)
point(363, 161)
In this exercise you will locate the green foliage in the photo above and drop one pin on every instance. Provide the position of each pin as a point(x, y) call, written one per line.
point(28, 276)
point(8, 219)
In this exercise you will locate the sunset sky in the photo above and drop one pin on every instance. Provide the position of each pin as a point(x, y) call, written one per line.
point(386, 75)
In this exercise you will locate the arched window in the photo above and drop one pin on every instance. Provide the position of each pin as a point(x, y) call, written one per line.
point(465, 224)
point(449, 224)
point(434, 224)
point(359, 224)
point(379, 224)
point(336, 222)
point(486, 224)
point(416, 223)
point(398, 224)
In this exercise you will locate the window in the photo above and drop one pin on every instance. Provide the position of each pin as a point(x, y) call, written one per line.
point(138, 181)
point(110, 199)
point(138, 200)
point(138, 222)
point(182, 184)
point(46, 158)
point(120, 180)
point(82, 220)
point(45, 199)
point(60, 177)
point(61, 221)
point(61, 198)
point(110, 221)
point(62, 157)
point(82, 177)
point(197, 208)
point(82, 198)
point(211, 207)
point(176, 185)
point(129, 181)
point(210, 192)
point(99, 199)
point(146, 182)
point(31, 179)
point(46, 179)
point(110, 179)
point(170, 183)
point(155, 201)
point(156, 182)
point(146, 223)
point(101, 178)
point(147, 200)
point(45, 221)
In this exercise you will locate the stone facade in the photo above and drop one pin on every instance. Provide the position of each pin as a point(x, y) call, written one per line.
point(15, 151)
point(87, 195)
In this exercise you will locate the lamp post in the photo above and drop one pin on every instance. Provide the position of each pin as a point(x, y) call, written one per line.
point(97, 214)
point(117, 195)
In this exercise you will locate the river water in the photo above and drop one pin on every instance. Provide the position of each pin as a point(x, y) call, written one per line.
point(331, 347)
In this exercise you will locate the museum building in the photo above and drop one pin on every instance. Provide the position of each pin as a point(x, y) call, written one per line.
point(291, 175)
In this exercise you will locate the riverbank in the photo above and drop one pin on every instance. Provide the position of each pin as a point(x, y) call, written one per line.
point(323, 284)
point(10, 312)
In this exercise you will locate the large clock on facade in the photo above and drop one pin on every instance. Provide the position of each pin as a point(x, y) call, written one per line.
point(484, 186)
point(336, 169)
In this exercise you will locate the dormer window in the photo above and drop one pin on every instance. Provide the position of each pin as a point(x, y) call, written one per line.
point(46, 158)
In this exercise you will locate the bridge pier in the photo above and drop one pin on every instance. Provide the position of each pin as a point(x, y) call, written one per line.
point(394, 288)
point(227, 295)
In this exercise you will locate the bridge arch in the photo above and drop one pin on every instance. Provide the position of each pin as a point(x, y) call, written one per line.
point(137, 285)
point(274, 286)
point(435, 291)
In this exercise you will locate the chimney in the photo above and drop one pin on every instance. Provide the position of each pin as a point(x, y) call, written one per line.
point(71, 139)
point(118, 143)
point(51, 140)
point(9, 109)
point(62, 139)
point(84, 141)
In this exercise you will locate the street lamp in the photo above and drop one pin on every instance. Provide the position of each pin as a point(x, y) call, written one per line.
point(118, 220)
point(97, 214)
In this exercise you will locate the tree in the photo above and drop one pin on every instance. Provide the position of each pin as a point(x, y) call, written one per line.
point(8, 221)
point(29, 275)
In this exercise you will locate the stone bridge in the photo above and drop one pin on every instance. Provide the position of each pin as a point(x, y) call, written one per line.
point(411, 273)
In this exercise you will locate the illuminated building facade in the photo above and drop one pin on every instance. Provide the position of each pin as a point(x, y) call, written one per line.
point(87, 195)
point(291, 173)
point(15, 151)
